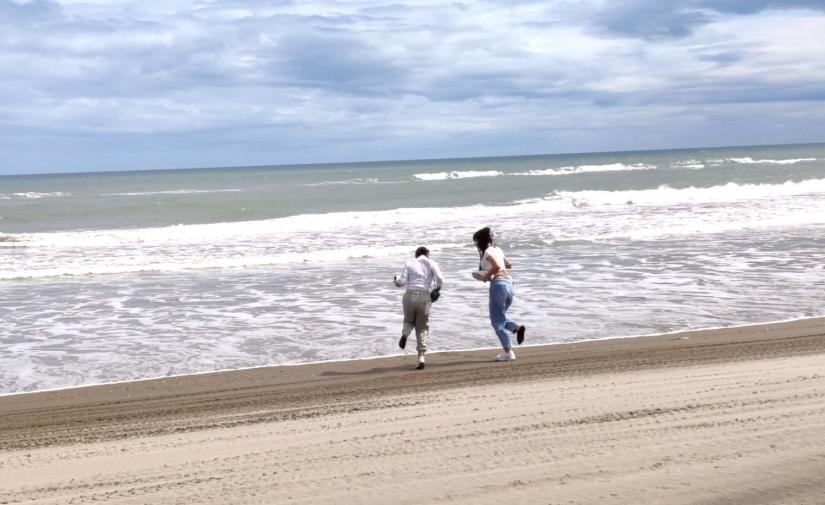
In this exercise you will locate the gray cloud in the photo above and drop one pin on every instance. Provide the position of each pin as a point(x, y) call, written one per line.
point(754, 6)
point(390, 80)
point(723, 57)
point(653, 19)
point(337, 61)
point(30, 12)
point(650, 19)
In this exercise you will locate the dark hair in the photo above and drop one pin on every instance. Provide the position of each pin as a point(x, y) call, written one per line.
point(483, 239)
point(422, 250)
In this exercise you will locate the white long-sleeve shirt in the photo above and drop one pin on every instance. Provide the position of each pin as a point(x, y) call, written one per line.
point(419, 273)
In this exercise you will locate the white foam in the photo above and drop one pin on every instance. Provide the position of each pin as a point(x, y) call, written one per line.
point(686, 332)
point(749, 161)
point(550, 171)
point(32, 195)
point(272, 229)
point(357, 182)
point(174, 192)
point(612, 167)
point(440, 176)
point(223, 233)
point(694, 164)
point(144, 263)
point(609, 167)
point(340, 237)
point(665, 195)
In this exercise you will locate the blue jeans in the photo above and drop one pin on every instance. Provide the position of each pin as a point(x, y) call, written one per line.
point(502, 294)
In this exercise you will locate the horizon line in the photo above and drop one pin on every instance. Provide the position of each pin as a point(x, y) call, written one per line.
point(406, 160)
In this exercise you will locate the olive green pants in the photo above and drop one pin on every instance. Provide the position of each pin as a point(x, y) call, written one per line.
point(417, 305)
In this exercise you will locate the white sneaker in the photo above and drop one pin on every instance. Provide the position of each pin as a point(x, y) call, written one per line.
point(421, 361)
point(506, 356)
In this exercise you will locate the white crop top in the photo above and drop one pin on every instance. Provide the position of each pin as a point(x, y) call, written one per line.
point(485, 265)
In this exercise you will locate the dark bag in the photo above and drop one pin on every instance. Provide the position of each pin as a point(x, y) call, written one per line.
point(435, 294)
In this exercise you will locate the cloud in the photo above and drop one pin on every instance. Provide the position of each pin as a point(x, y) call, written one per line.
point(653, 19)
point(339, 61)
point(754, 6)
point(649, 19)
point(28, 12)
point(396, 78)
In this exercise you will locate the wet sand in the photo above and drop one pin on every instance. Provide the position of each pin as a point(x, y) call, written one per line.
point(730, 416)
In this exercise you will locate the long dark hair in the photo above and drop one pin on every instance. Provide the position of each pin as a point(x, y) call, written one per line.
point(483, 239)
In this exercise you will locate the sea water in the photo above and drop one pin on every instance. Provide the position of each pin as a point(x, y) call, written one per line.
point(116, 276)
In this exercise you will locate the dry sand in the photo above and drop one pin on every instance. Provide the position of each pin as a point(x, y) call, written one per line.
point(733, 416)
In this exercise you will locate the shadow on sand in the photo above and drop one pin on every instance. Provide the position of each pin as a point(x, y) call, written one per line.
point(406, 367)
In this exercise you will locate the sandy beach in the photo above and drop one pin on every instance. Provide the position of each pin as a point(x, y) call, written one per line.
point(731, 416)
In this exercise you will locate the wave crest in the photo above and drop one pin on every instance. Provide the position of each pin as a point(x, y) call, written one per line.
point(32, 195)
point(579, 169)
point(173, 192)
point(343, 236)
point(440, 176)
point(751, 161)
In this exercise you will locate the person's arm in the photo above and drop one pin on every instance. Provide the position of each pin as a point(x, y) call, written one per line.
point(507, 263)
point(439, 279)
point(400, 280)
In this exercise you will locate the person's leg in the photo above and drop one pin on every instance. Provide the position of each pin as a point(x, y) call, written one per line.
point(408, 304)
point(499, 295)
point(509, 324)
point(422, 325)
point(422, 322)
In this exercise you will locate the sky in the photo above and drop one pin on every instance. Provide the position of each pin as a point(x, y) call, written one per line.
point(130, 84)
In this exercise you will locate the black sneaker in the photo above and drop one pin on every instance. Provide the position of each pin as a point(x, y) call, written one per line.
point(520, 334)
point(420, 366)
point(403, 342)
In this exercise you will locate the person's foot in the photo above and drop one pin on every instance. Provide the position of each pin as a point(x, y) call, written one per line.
point(520, 334)
point(403, 342)
point(506, 356)
point(420, 361)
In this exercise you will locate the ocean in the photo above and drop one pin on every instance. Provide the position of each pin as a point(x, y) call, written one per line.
point(109, 277)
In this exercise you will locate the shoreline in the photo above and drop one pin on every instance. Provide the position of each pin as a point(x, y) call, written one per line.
point(698, 417)
point(400, 366)
point(407, 355)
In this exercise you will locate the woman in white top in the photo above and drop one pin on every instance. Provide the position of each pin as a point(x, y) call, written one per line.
point(493, 268)
point(418, 275)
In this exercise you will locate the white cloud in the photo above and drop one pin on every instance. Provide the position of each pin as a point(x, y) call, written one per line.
point(424, 74)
